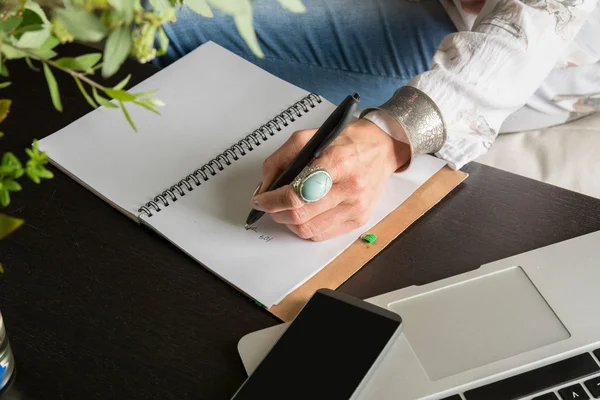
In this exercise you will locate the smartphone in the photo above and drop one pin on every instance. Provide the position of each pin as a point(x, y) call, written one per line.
point(328, 351)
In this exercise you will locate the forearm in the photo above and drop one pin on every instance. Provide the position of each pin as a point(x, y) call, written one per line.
point(480, 77)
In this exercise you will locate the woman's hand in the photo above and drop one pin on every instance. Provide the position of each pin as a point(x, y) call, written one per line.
point(360, 161)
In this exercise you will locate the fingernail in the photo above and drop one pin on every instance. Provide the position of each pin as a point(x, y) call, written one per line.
point(257, 188)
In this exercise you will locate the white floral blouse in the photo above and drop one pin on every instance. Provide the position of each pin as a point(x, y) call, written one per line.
point(539, 55)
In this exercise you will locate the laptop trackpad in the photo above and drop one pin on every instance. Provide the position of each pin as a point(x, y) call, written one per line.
point(477, 322)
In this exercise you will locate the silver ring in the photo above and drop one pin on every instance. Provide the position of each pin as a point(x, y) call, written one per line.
point(321, 180)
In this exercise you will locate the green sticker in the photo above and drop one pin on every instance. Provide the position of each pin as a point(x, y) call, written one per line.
point(369, 238)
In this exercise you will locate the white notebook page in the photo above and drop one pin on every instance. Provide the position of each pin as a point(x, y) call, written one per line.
point(269, 263)
point(213, 99)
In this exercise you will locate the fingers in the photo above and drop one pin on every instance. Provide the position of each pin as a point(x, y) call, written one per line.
point(336, 221)
point(276, 163)
point(284, 198)
point(301, 215)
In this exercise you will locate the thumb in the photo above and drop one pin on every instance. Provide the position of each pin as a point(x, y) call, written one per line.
point(277, 162)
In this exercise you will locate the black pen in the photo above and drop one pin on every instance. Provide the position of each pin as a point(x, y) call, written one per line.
point(331, 128)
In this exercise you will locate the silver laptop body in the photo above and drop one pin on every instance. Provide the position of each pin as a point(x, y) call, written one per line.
point(522, 327)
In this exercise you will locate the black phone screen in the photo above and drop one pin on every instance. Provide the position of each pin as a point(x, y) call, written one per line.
point(325, 352)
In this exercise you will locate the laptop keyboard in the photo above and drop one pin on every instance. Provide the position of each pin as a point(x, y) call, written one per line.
point(546, 381)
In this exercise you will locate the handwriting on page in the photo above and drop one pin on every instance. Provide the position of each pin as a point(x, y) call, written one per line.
point(261, 237)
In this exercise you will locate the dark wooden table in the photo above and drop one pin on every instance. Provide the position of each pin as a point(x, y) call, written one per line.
point(98, 307)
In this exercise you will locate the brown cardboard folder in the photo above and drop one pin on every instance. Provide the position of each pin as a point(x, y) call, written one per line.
point(359, 253)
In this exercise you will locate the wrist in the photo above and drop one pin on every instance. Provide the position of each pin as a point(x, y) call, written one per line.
point(402, 155)
point(412, 117)
point(396, 152)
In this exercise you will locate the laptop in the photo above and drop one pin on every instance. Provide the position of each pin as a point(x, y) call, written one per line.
point(525, 327)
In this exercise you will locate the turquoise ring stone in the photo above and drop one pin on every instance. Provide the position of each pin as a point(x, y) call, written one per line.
point(312, 184)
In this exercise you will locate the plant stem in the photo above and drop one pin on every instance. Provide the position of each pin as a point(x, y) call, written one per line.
point(67, 70)
point(74, 74)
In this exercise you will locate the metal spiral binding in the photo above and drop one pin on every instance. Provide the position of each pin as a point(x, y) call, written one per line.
point(230, 155)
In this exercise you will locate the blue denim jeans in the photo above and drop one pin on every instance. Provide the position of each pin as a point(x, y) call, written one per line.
point(337, 47)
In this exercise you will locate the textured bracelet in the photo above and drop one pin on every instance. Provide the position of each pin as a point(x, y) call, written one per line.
point(420, 117)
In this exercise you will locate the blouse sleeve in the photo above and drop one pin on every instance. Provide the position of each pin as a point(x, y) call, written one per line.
point(479, 77)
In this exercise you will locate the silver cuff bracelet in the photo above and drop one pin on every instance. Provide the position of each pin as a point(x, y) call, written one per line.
point(419, 116)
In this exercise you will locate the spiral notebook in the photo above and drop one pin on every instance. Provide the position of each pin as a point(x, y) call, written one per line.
point(188, 174)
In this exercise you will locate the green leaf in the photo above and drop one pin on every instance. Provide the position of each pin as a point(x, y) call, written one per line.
point(87, 61)
point(241, 10)
point(8, 225)
point(32, 19)
point(160, 5)
point(10, 159)
point(143, 94)
point(44, 173)
point(85, 93)
point(83, 25)
point(295, 6)
point(231, 7)
point(7, 170)
point(1, 268)
point(244, 26)
point(149, 104)
point(201, 7)
point(118, 46)
point(11, 185)
point(163, 42)
point(35, 8)
point(122, 84)
point(10, 24)
point(4, 197)
point(83, 63)
point(4, 108)
point(11, 166)
point(1, 134)
point(3, 69)
point(35, 28)
point(102, 101)
point(50, 43)
point(124, 8)
point(53, 86)
point(30, 65)
point(44, 51)
point(35, 150)
point(33, 39)
point(127, 115)
point(4, 85)
point(168, 15)
point(32, 174)
point(43, 54)
point(11, 53)
point(119, 95)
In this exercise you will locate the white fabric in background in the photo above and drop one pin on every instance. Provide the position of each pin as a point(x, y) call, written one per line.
point(567, 155)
